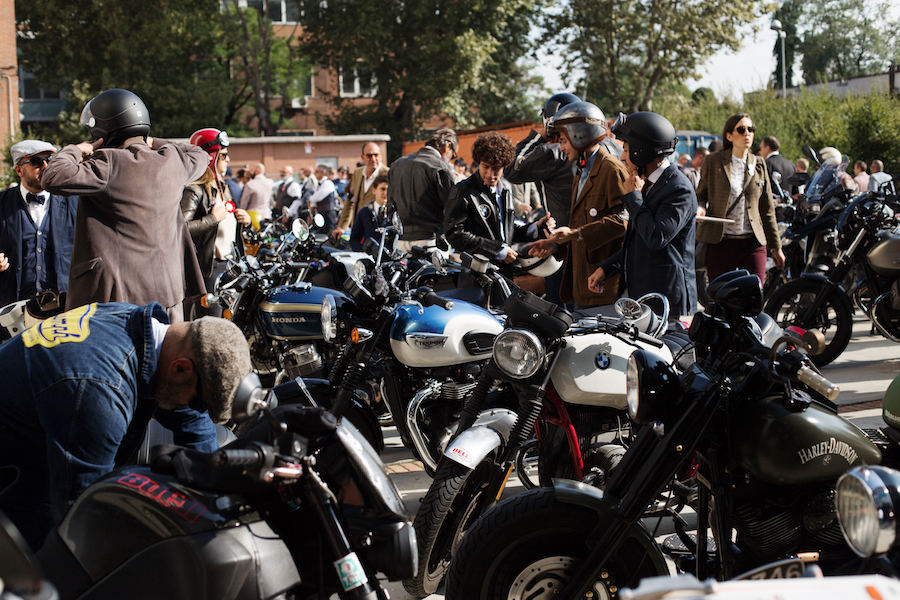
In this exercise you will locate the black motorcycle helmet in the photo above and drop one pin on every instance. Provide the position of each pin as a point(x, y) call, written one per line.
point(116, 115)
point(583, 123)
point(648, 134)
point(555, 102)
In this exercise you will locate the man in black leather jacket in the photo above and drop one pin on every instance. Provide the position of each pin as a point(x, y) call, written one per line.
point(480, 216)
point(419, 185)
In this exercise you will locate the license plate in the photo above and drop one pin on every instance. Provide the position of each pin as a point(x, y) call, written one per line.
point(783, 569)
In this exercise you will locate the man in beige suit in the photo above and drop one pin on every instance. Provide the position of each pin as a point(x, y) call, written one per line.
point(131, 242)
point(257, 194)
point(361, 191)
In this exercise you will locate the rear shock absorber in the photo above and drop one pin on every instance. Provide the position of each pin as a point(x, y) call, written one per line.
point(340, 365)
point(352, 380)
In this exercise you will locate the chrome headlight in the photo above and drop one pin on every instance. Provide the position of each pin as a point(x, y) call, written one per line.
point(632, 387)
point(329, 318)
point(652, 388)
point(518, 353)
point(866, 498)
point(370, 467)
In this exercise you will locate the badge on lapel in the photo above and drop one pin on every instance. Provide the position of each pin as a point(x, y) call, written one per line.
point(593, 212)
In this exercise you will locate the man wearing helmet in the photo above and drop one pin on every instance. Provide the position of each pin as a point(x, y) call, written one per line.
point(658, 253)
point(479, 216)
point(131, 242)
point(596, 226)
point(539, 159)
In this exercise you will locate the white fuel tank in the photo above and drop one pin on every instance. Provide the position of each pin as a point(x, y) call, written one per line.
point(591, 369)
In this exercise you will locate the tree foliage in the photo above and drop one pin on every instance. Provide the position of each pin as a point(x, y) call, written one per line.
point(268, 69)
point(845, 38)
point(425, 58)
point(165, 51)
point(628, 50)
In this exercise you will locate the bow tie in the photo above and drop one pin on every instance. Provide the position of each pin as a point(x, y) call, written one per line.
point(29, 197)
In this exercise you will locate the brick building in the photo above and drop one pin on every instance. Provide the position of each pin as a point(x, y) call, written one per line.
point(9, 78)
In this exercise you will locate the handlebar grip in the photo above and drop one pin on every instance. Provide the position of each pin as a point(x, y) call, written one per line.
point(649, 339)
point(241, 283)
point(818, 383)
point(418, 252)
point(431, 298)
point(238, 458)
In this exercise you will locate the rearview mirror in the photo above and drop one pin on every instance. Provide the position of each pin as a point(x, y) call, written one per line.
point(319, 220)
point(300, 229)
point(249, 399)
point(811, 155)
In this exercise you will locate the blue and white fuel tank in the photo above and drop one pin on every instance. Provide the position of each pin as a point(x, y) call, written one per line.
point(439, 337)
point(294, 312)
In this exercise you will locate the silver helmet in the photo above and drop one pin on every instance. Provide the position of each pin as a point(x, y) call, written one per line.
point(582, 122)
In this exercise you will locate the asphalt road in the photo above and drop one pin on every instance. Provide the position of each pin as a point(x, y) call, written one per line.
point(863, 372)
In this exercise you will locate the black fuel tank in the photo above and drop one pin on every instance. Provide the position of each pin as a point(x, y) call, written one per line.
point(134, 524)
point(785, 447)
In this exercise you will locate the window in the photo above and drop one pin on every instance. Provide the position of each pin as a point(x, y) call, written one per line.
point(280, 11)
point(29, 89)
point(356, 81)
point(307, 88)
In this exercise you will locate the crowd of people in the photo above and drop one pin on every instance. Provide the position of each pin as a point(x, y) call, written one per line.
point(134, 229)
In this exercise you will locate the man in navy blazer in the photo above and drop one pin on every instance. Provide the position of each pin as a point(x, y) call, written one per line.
point(658, 253)
point(36, 228)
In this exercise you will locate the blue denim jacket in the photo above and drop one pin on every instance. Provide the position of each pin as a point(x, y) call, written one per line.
point(77, 395)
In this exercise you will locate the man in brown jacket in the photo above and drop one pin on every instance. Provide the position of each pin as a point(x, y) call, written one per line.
point(361, 191)
point(131, 242)
point(596, 226)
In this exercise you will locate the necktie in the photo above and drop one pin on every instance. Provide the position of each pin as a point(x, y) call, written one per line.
point(647, 185)
point(29, 197)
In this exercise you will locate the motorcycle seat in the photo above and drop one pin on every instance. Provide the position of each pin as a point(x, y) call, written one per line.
point(157, 435)
point(676, 342)
point(472, 295)
point(768, 328)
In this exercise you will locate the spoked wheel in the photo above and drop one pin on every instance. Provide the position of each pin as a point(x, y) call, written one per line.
point(454, 501)
point(529, 546)
point(792, 304)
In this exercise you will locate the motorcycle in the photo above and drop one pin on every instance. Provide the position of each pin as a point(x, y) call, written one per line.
point(868, 239)
point(300, 507)
point(569, 383)
point(753, 423)
point(420, 352)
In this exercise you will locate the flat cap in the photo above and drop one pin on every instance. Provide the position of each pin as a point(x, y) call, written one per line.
point(27, 148)
point(223, 358)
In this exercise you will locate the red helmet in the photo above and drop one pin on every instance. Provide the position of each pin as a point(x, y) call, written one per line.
point(212, 140)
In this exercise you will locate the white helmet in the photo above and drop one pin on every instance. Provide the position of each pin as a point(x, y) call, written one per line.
point(15, 319)
point(531, 265)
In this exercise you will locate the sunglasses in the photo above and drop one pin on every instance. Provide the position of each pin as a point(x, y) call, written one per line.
point(372, 154)
point(224, 155)
point(742, 130)
point(36, 161)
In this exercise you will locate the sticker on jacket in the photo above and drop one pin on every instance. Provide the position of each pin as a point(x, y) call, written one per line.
point(71, 326)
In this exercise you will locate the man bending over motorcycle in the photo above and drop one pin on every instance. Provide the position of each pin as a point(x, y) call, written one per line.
point(81, 387)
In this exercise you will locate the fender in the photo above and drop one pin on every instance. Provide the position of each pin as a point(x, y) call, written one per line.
point(820, 278)
point(490, 430)
point(586, 496)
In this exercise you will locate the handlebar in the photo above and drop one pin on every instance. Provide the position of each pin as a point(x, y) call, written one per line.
point(818, 383)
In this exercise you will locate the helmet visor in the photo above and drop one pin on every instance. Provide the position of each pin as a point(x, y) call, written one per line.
point(618, 127)
point(87, 117)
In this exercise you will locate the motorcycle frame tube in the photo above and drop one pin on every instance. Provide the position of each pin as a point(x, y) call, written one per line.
point(650, 463)
point(563, 420)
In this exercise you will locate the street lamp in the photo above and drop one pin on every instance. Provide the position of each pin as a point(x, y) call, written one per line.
point(776, 26)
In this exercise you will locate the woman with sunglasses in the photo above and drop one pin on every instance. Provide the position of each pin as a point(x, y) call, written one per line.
point(211, 216)
point(735, 190)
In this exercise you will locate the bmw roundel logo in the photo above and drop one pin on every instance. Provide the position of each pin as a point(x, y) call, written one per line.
point(484, 210)
point(602, 360)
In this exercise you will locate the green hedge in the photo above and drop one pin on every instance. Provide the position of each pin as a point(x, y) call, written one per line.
point(862, 127)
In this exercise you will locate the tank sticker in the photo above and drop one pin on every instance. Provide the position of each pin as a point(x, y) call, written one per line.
point(350, 571)
point(183, 506)
point(829, 448)
point(71, 326)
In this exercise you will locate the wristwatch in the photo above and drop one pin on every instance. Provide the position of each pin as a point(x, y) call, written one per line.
point(580, 237)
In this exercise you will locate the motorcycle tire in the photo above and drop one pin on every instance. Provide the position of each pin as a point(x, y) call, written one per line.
point(834, 317)
point(452, 503)
point(528, 545)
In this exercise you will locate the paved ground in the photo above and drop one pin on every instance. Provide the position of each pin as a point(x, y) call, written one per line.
point(863, 372)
